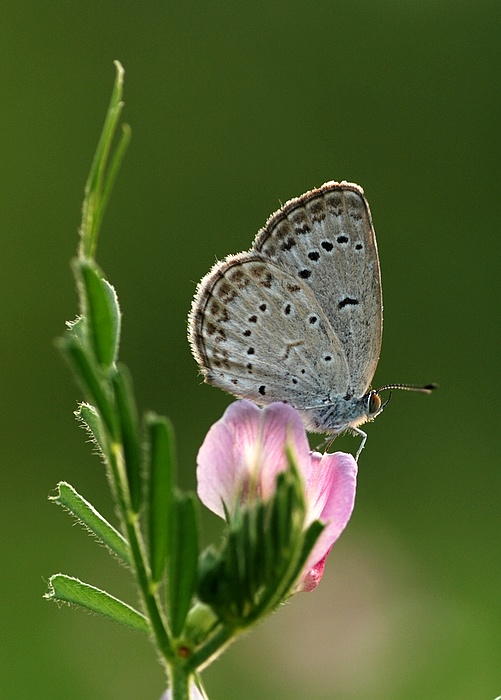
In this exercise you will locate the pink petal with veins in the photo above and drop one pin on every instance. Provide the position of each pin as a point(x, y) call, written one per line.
point(245, 450)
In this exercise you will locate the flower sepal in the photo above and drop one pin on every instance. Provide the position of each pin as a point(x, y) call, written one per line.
point(266, 546)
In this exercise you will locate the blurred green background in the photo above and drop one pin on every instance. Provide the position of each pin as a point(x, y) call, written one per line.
point(235, 107)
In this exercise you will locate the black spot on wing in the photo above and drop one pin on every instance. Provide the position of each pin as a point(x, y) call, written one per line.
point(347, 301)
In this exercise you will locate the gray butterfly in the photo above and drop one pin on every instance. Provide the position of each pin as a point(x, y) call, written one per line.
point(298, 318)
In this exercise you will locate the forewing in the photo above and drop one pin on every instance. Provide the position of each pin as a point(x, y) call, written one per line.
point(326, 239)
point(258, 332)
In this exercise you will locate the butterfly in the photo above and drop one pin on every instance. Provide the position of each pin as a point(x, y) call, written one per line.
point(298, 317)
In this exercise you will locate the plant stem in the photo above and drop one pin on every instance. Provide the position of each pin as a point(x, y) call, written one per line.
point(144, 580)
point(179, 681)
point(130, 521)
point(214, 646)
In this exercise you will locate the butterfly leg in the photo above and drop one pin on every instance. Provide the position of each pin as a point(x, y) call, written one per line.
point(357, 431)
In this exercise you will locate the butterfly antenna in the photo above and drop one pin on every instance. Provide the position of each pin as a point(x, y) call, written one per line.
point(426, 389)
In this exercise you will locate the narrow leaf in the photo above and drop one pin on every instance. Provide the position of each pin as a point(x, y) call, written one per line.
point(116, 315)
point(99, 306)
point(162, 461)
point(89, 517)
point(95, 199)
point(280, 518)
point(129, 428)
point(183, 560)
point(266, 544)
point(250, 553)
point(78, 329)
point(90, 378)
point(67, 589)
point(114, 166)
point(91, 421)
point(235, 570)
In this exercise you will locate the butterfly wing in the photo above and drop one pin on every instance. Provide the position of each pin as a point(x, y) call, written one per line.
point(326, 239)
point(257, 331)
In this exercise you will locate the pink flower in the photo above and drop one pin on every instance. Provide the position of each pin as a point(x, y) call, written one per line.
point(244, 452)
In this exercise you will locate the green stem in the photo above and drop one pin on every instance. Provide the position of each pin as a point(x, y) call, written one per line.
point(210, 649)
point(146, 586)
point(138, 554)
point(117, 476)
point(179, 681)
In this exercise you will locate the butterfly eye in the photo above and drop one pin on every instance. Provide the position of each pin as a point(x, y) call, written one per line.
point(374, 403)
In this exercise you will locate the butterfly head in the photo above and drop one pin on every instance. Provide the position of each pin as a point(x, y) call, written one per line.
point(374, 404)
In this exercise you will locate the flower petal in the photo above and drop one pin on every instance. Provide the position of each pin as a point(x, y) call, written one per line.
point(244, 452)
point(219, 461)
point(248, 445)
point(313, 577)
point(331, 497)
point(282, 427)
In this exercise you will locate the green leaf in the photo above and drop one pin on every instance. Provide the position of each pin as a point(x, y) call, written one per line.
point(237, 573)
point(91, 421)
point(78, 329)
point(129, 428)
point(182, 560)
point(67, 589)
point(93, 521)
point(162, 465)
point(285, 539)
point(108, 448)
point(116, 315)
point(114, 167)
point(249, 539)
point(99, 183)
point(99, 306)
point(90, 378)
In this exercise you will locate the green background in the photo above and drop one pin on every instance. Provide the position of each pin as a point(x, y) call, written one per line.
point(235, 107)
